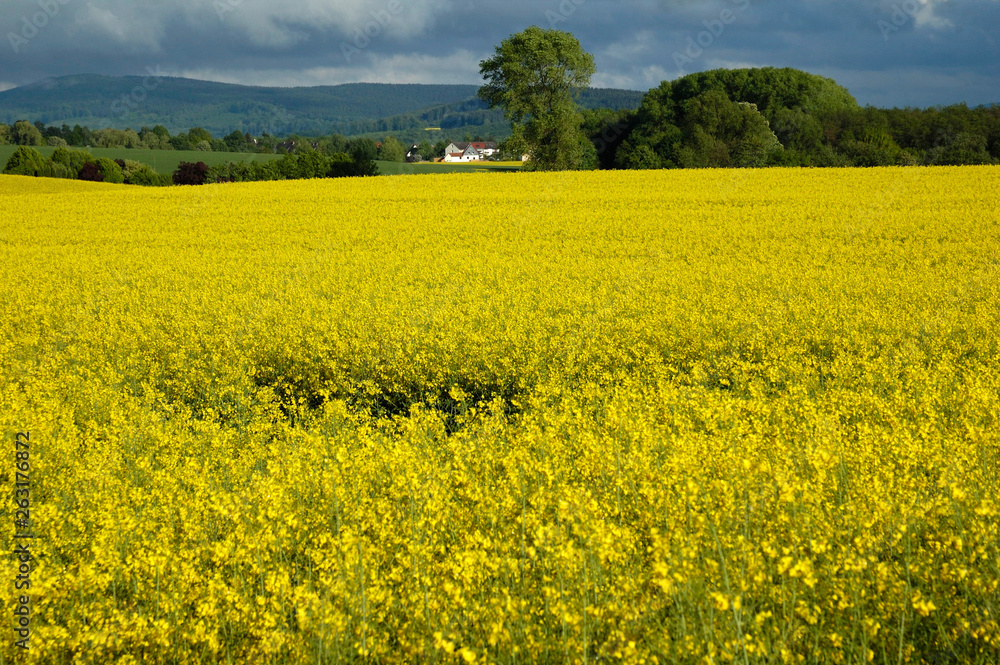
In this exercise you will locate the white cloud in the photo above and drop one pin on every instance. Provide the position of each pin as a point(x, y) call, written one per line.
point(459, 67)
point(146, 26)
point(119, 25)
point(922, 12)
point(652, 76)
point(639, 44)
point(4, 85)
point(286, 23)
point(625, 81)
point(925, 15)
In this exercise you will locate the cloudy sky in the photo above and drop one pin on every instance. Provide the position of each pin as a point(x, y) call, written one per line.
point(888, 53)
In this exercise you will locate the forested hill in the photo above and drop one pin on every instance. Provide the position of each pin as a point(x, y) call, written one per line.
point(178, 104)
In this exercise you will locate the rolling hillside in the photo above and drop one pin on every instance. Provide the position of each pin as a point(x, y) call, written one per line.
point(179, 104)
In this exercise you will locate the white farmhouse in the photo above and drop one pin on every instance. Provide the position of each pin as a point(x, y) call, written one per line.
point(469, 154)
point(476, 150)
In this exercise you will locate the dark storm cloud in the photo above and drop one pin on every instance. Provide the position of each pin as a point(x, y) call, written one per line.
point(893, 52)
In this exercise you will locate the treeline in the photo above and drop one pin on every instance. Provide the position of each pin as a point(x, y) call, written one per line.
point(82, 165)
point(783, 117)
point(389, 148)
point(25, 133)
point(301, 166)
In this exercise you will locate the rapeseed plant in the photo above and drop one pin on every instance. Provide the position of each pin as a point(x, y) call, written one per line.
point(658, 417)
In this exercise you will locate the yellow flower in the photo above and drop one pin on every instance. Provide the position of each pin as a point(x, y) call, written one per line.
point(720, 601)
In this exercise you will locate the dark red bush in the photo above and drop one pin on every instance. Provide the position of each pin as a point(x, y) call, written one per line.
point(91, 172)
point(190, 173)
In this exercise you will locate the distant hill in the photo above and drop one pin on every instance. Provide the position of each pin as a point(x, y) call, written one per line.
point(179, 104)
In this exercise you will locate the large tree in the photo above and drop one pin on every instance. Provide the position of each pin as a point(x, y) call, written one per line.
point(535, 78)
point(735, 117)
point(25, 133)
point(391, 150)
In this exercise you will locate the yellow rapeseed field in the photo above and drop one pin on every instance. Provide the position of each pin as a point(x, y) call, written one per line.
point(648, 417)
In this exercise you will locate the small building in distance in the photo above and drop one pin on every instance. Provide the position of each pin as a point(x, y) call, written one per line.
point(468, 154)
point(469, 151)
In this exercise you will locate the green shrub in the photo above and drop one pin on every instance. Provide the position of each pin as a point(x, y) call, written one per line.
point(133, 170)
point(147, 177)
point(27, 161)
point(56, 170)
point(62, 156)
point(110, 170)
point(77, 158)
point(965, 148)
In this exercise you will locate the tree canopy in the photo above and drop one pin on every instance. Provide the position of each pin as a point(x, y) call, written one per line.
point(731, 117)
point(535, 78)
